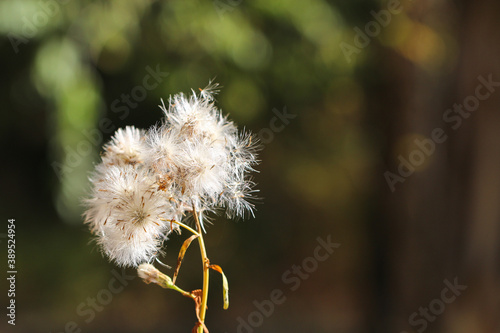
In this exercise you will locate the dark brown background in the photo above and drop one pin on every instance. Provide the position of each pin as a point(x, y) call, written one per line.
point(321, 175)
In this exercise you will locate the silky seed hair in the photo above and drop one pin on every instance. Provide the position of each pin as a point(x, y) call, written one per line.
point(147, 180)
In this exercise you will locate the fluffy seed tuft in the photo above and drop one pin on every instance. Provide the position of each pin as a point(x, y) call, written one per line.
point(147, 179)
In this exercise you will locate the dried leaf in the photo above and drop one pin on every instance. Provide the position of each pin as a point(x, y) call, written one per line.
point(182, 252)
point(197, 301)
point(225, 285)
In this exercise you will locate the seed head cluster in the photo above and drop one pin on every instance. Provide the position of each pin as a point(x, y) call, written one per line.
point(195, 159)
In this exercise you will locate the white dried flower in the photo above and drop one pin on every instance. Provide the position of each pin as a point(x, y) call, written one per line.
point(126, 147)
point(128, 214)
point(195, 158)
point(162, 148)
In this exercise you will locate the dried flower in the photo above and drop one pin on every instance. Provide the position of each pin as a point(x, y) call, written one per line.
point(147, 180)
point(126, 147)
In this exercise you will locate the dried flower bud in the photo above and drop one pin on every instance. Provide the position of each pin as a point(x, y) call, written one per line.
point(151, 274)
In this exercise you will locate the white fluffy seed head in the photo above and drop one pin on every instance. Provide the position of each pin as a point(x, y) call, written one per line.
point(162, 148)
point(126, 147)
point(195, 158)
point(128, 214)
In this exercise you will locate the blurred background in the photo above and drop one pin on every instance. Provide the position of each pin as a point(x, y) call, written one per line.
point(381, 133)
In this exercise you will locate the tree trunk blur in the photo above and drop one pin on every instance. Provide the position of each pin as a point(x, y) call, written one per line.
point(449, 207)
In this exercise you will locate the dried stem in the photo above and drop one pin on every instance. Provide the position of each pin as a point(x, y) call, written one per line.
point(184, 293)
point(184, 226)
point(205, 263)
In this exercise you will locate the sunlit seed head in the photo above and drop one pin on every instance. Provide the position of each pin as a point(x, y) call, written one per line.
point(195, 158)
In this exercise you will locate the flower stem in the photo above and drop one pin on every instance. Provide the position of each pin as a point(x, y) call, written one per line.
point(184, 226)
point(204, 259)
point(184, 293)
point(151, 274)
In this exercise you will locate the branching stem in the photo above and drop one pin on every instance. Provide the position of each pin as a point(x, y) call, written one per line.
point(184, 226)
